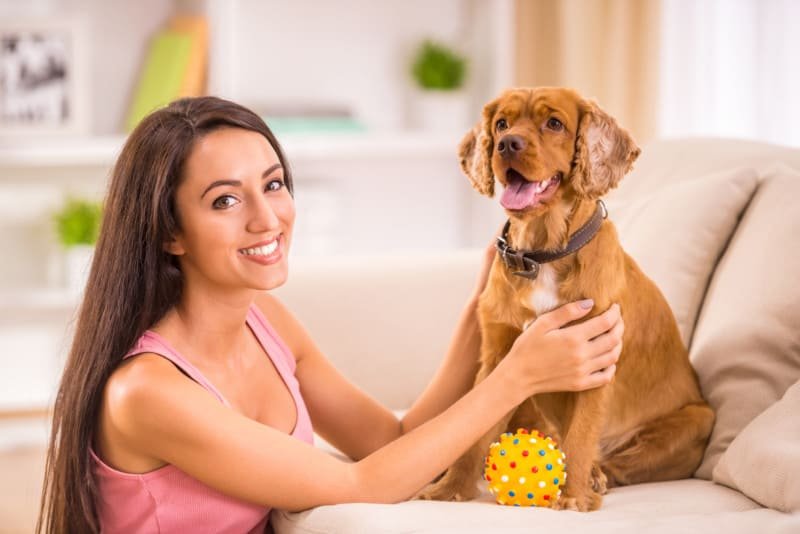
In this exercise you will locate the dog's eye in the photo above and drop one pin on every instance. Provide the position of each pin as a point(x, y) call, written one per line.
point(555, 124)
point(501, 125)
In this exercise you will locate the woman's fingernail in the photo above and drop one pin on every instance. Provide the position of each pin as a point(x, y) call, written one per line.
point(586, 304)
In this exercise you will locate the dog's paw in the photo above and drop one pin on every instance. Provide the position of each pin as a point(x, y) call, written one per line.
point(598, 480)
point(587, 501)
point(565, 503)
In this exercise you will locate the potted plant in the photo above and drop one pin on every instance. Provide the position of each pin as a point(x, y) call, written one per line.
point(440, 102)
point(77, 226)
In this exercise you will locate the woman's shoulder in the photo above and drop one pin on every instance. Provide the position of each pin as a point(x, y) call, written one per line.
point(137, 383)
point(133, 398)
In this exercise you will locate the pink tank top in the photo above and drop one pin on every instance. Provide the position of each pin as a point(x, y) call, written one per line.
point(169, 500)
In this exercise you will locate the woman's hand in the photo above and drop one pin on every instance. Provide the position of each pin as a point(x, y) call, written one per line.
point(549, 356)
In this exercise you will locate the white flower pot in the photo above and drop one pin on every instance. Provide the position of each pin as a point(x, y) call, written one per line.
point(77, 262)
point(440, 110)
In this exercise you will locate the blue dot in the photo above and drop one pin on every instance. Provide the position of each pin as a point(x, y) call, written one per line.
point(549, 467)
point(502, 452)
point(516, 504)
point(530, 495)
point(533, 505)
point(516, 441)
point(511, 493)
point(555, 481)
point(542, 453)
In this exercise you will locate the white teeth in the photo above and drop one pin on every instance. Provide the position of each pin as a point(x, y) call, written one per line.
point(264, 250)
point(542, 185)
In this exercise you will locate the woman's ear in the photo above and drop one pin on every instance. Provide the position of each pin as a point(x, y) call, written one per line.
point(174, 247)
point(604, 152)
point(475, 152)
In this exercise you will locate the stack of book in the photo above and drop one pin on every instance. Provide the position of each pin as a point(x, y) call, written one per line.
point(175, 66)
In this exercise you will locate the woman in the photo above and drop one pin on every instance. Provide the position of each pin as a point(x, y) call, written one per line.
point(180, 406)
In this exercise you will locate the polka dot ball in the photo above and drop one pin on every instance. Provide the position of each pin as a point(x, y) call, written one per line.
point(525, 469)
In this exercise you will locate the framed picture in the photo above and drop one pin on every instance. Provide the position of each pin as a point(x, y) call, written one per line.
point(42, 77)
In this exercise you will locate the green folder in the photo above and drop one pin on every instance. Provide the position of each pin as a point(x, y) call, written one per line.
point(162, 75)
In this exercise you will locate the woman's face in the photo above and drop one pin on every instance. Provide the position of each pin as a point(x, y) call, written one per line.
point(235, 213)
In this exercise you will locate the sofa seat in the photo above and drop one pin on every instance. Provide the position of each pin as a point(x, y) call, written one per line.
point(684, 506)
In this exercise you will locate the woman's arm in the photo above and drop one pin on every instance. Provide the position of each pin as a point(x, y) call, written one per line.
point(160, 413)
point(348, 418)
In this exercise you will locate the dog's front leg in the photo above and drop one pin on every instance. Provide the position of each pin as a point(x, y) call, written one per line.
point(460, 481)
point(582, 492)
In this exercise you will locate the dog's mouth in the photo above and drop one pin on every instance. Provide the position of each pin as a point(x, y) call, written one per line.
point(521, 193)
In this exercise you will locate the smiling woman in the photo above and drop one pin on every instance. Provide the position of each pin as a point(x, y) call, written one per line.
point(180, 405)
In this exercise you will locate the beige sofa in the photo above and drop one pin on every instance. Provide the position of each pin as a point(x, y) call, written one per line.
point(716, 223)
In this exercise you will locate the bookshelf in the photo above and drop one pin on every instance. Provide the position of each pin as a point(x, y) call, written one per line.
point(385, 189)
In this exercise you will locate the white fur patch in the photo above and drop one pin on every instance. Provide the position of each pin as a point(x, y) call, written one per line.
point(544, 297)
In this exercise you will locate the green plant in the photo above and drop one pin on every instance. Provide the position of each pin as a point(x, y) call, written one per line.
point(78, 222)
point(438, 67)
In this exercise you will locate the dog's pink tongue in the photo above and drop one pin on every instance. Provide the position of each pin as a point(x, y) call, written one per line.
point(518, 195)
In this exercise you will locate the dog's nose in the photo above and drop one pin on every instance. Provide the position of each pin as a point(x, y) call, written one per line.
point(511, 145)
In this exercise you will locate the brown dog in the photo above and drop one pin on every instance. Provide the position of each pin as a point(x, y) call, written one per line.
point(556, 154)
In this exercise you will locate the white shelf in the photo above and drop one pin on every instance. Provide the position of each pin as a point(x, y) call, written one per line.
point(102, 151)
point(66, 152)
point(20, 303)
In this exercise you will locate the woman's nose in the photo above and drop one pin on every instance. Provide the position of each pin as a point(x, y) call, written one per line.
point(263, 216)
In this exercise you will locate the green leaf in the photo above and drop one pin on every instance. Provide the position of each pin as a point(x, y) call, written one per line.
point(78, 222)
point(438, 67)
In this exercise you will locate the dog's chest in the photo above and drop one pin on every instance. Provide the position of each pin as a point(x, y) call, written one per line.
point(544, 296)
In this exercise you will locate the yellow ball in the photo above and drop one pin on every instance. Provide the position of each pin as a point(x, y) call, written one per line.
point(525, 469)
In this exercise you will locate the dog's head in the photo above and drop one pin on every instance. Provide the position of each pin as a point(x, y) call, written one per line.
point(545, 145)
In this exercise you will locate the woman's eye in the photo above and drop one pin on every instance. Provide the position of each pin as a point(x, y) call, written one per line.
point(225, 201)
point(555, 124)
point(501, 125)
point(274, 185)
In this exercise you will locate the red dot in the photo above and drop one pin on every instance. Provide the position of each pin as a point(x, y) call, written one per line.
point(535, 469)
point(488, 478)
point(547, 497)
point(494, 466)
point(540, 434)
point(524, 453)
point(522, 431)
point(513, 465)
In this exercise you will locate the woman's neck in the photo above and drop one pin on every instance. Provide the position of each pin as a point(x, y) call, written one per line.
point(208, 326)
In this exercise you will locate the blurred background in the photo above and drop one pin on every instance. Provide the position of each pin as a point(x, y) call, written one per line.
point(369, 100)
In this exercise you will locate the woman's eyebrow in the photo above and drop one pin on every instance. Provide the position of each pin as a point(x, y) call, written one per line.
point(218, 183)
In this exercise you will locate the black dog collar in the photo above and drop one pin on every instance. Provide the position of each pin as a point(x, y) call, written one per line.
point(525, 263)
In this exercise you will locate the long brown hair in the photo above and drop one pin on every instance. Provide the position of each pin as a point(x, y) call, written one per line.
point(133, 282)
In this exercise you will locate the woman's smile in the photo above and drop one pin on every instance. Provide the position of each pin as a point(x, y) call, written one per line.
point(264, 252)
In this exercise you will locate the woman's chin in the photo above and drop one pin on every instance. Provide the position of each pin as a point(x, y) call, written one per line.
point(275, 278)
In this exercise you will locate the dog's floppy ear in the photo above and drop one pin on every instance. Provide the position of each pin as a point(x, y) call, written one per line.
point(475, 152)
point(604, 152)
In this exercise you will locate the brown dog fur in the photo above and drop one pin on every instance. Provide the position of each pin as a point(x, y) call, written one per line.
point(651, 423)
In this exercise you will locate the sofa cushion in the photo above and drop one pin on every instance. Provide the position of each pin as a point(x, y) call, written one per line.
point(763, 462)
point(746, 346)
point(677, 232)
point(659, 507)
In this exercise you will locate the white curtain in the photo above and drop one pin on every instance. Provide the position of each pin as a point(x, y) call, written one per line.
point(731, 68)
